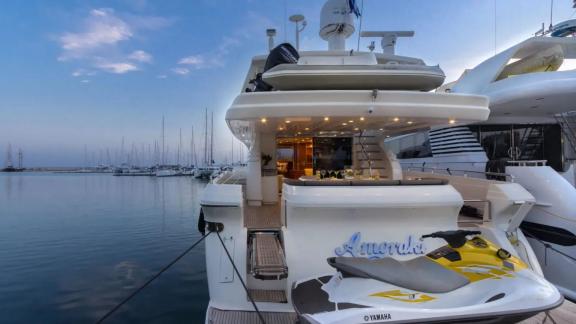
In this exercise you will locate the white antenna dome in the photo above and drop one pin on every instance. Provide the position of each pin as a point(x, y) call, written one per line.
point(336, 23)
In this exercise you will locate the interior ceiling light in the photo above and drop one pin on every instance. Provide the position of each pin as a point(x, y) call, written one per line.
point(344, 124)
point(287, 122)
point(396, 119)
point(361, 118)
point(410, 122)
point(263, 120)
point(452, 121)
point(326, 119)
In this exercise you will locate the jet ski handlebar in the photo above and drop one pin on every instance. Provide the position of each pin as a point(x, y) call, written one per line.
point(455, 239)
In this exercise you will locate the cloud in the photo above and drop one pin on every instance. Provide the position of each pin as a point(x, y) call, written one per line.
point(100, 41)
point(192, 60)
point(218, 57)
point(181, 71)
point(140, 56)
point(101, 28)
point(82, 72)
point(118, 67)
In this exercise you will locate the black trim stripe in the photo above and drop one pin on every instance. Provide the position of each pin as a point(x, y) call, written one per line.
point(550, 234)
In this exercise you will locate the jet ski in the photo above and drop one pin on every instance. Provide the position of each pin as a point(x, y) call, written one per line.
point(468, 280)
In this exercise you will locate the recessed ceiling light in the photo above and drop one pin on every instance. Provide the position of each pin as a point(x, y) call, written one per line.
point(381, 129)
point(410, 122)
point(263, 120)
point(344, 124)
point(350, 121)
point(361, 118)
point(306, 128)
point(396, 119)
point(326, 119)
point(452, 121)
point(356, 128)
point(287, 122)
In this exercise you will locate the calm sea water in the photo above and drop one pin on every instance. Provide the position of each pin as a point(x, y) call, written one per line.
point(73, 245)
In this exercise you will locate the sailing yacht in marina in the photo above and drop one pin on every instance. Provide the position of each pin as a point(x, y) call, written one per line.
point(323, 225)
point(529, 139)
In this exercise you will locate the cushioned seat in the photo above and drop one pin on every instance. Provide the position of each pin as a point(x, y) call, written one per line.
point(420, 274)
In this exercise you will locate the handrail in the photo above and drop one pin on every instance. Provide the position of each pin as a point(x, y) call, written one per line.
point(528, 163)
point(449, 171)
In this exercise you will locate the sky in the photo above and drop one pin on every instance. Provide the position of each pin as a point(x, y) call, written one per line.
point(79, 76)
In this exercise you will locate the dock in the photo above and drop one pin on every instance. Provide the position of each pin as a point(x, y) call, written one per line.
point(565, 314)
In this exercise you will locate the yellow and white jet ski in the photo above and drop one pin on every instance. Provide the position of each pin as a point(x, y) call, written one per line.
point(465, 280)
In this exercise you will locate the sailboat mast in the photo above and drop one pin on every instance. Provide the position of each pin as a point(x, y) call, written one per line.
point(206, 137)
point(212, 138)
point(163, 143)
point(179, 148)
point(9, 156)
point(193, 159)
point(20, 159)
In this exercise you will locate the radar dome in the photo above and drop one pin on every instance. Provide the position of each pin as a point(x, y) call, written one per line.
point(336, 23)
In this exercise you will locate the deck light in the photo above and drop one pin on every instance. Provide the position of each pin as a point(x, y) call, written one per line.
point(452, 121)
point(263, 120)
point(326, 119)
point(396, 119)
point(350, 121)
point(287, 122)
point(361, 118)
point(410, 122)
point(344, 124)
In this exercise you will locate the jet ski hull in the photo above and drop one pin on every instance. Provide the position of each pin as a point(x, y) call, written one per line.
point(317, 301)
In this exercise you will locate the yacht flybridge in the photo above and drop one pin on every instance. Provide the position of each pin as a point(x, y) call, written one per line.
point(324, 226)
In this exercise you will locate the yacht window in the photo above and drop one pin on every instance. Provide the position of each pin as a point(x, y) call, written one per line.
point(410, 146)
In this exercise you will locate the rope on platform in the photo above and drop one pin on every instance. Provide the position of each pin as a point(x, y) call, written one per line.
point(241, 280)
point(115, 308)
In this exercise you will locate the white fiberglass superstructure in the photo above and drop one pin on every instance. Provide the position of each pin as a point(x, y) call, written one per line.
point(528, 139)
point(324, 226)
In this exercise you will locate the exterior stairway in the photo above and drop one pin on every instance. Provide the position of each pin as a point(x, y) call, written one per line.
point(567, 123)
point(371, 160)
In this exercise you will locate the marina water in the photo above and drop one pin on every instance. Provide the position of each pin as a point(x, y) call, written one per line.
point(74, 245)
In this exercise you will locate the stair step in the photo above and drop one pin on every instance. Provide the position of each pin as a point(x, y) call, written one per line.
point(267, 257)
point(268, 296)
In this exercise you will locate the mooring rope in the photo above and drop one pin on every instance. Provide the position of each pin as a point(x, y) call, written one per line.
point(241, 280)
point(115, 308)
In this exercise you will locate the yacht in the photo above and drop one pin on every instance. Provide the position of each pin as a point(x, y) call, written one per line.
point(323, 225)
point(529, 139)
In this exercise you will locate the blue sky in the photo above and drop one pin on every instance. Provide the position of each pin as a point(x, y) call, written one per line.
point(78, 74)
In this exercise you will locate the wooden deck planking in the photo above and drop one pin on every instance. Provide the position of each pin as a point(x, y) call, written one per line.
point(216, 316)
point(262, 217)
point(565, 314)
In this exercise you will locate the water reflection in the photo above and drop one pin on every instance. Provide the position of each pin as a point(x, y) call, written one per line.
point(74, 245)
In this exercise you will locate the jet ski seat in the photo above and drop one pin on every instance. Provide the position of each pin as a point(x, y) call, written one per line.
point(419, 274)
